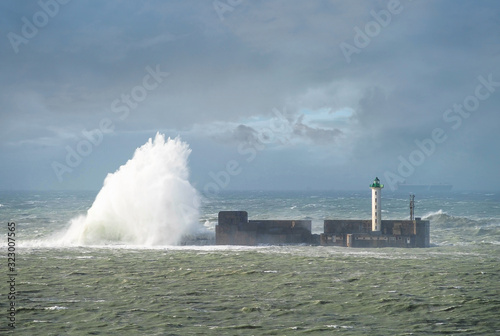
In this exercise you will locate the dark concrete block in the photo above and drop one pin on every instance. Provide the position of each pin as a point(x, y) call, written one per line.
point(232, 217)
point(345, 226)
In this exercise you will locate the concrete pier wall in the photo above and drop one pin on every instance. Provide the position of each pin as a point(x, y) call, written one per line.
point(234, 228)
point(393, 233)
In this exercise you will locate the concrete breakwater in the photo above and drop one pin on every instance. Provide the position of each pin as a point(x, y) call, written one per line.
point(234, 228)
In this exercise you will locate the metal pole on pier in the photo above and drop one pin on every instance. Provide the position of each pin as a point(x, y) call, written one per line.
point(412, 207)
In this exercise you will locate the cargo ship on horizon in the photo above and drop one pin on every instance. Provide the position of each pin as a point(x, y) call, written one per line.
point(433, 187)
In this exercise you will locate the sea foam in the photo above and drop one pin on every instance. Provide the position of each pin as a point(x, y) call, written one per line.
point(147, 201)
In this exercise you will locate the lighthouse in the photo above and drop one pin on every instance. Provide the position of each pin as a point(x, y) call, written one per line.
point(376, 188)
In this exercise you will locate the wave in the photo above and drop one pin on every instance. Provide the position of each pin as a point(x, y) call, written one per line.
point(441, 218)
point(432, 214)
point(147, 201)
point(458, 230)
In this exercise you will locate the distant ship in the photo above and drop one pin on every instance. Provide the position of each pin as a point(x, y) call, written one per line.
point(435, 187)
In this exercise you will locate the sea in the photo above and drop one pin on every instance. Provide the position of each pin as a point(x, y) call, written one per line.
point(107, 283)
point(137, 257)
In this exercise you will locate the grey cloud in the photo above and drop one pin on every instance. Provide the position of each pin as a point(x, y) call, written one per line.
point(264, 55)
point(320, 136)
point(241, 134)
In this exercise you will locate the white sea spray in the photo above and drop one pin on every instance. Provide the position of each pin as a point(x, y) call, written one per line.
point(147, 201)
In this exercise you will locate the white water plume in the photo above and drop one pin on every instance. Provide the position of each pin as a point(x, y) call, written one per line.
point(147, 201)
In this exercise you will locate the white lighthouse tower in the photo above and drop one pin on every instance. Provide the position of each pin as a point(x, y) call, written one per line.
point(376, 205)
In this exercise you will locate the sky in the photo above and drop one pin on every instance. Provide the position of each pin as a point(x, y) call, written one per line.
point(281, 95)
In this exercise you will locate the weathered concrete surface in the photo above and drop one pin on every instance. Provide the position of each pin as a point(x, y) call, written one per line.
point(234, 228)
point(393, 233)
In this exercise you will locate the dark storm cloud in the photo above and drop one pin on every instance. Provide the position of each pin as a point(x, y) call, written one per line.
point(262, 55)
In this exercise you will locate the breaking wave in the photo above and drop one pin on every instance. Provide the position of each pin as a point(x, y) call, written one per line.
point(147, 201)
point(446, 229)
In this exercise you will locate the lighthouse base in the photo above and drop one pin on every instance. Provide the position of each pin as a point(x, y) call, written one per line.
point(364, 240)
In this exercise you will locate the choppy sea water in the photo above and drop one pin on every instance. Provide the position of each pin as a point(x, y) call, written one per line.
point(451, 288)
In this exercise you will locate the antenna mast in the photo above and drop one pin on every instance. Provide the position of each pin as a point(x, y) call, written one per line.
point(412, 207)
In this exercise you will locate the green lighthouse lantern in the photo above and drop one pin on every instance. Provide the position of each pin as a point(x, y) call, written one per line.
point(376, 183)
